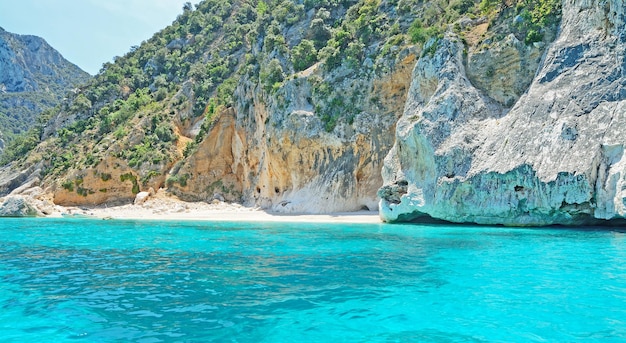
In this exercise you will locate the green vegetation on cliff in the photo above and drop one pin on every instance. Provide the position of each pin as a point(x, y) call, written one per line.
point(153, 107)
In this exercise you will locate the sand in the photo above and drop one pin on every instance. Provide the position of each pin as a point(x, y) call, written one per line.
point(168, 208)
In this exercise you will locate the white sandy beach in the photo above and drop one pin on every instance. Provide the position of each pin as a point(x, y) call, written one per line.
point(167, 208)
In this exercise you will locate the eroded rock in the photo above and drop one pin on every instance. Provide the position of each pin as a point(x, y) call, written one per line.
point(17, 206)
point(555, 158)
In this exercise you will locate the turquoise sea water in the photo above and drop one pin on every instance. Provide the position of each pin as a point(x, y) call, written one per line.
point(126, 281)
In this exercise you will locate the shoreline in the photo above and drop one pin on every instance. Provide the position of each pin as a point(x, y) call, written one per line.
point(176, 210)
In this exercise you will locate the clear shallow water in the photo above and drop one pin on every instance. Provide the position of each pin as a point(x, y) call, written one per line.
point(102, 281)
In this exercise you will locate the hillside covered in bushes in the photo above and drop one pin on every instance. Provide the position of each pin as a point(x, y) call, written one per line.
point(284, 104)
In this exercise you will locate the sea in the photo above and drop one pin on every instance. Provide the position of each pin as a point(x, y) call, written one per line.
point(85, 280)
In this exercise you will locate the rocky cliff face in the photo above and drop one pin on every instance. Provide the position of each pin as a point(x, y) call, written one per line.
point(33, 77)
point(506, 118)
point(267, 151)
point(273, 152)
point(241, 108)
point(556, 156)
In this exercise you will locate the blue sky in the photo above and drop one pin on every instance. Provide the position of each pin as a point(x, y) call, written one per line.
point(90, 32)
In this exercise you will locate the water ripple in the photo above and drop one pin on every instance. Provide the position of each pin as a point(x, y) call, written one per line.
point(143, 282)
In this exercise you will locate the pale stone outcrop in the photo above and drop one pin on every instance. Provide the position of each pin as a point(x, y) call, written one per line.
point(18, 206)
point(141, 198)
point(14, 178)
point(556, 157)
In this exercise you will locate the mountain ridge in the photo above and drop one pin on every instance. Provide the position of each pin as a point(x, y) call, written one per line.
point(34, 77)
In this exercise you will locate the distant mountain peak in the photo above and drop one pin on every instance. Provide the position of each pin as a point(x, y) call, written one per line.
point(33, 77)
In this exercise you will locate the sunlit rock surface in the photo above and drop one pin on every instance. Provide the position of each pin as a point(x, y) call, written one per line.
point(556, 157)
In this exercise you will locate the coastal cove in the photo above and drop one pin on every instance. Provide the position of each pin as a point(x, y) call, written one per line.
point(273, 171)
point(151, 281)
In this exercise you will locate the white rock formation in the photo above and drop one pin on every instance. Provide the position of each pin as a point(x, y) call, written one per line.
point(18, 206)
point(555, 158)
point(141, 198)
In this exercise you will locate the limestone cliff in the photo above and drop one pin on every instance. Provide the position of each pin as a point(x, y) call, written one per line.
point(467, 111)
point(554, 157)
point(279, 156)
